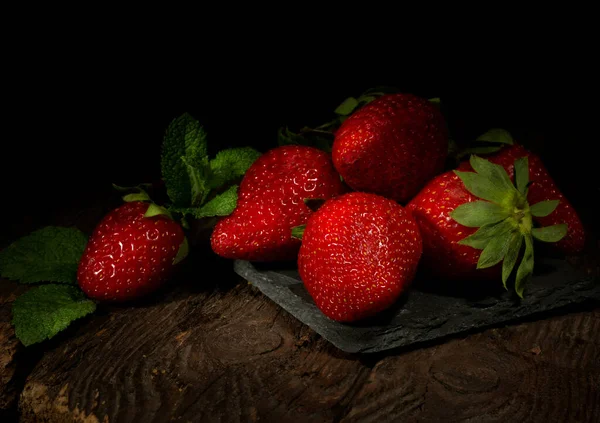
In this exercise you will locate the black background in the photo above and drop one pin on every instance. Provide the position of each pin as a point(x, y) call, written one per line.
point(77, 123)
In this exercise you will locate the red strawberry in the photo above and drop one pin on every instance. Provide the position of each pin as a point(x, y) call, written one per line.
point(359, 252)
point(271, 201)
point(391, 146)
point(129, 255)
point(543, 187)
point(475, 218)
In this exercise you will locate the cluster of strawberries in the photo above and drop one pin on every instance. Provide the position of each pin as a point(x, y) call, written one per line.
point(362, 220)
point(392, 214)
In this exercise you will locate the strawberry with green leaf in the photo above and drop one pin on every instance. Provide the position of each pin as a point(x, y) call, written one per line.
point(477, 224)
point(272, 200)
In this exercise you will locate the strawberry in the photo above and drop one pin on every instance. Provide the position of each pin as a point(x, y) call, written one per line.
point(359, 252)
point(271, 200)
point(392, 146)
point(543, 187)
point(475, 218)
point(130, 254)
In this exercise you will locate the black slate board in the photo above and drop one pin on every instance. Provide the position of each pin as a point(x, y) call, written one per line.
point(423, 314)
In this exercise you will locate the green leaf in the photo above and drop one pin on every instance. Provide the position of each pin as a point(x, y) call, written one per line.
point(347, 107)
point(231, 164)
point(482, 187)
point(483, 235)
point(198, 175)
point(183, 251)
point(140, 196)
point(298, 231)
point(436, 101)
point(322, 140)
point(43, 311)
point(525, 269)
point(510, 259)
point(552, 233)
point(50, 254)
point(494, 172)
point(543, 208)
point(522, 174)
point(478, 150)
point(478, 213)
point(184, 159)
point(496, 135)
point(494, 251)
point(156, 210)
point(221, 205)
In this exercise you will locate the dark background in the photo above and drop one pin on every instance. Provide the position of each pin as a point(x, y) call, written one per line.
point(76, 125)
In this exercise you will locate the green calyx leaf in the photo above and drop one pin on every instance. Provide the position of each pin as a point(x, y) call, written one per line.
point(321, 137)
point(44, 311)
point(487, 232)
point(183, 251)
point(136, 193)
point(496, 135)
point(552, 233)
point(298, 231)
point(50, 254)
point(543, 208)
point(156, 210)
point(479, 213)
point(522, 174)
point(347, 106)
point(504, 219)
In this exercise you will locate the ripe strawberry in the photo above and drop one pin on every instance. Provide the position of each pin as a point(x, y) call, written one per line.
point(271, 201)
point(391, 146)
point(542, 188)
point(129, 255)
point(475, 218)
point(359, 253)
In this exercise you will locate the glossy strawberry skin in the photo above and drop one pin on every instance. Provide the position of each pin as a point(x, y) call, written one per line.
point(543, 187)
point(391, 146)
point(359, 252)
point(129, 255)
point(442, 255)
point(271, 202)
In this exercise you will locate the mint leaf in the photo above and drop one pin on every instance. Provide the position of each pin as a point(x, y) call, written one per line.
point(543, 208)
point(496, 135)
point(552, 233)
point(221, 205)
point(50, 254)
point(230, 164)
point(43, 311)
point(184, 160)
point(478, 213)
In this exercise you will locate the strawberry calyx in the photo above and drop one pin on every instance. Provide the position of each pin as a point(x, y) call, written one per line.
point(489, 142)
point(298, 231)
point(504, 218)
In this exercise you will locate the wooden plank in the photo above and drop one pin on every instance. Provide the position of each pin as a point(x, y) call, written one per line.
point(230, 354)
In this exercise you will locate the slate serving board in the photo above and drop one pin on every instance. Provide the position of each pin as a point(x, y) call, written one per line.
point(424, 312)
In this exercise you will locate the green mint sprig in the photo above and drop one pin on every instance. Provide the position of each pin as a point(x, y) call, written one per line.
point(49, 257)
point(198, 185)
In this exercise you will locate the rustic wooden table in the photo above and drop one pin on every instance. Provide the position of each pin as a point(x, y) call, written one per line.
point(210, 347)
